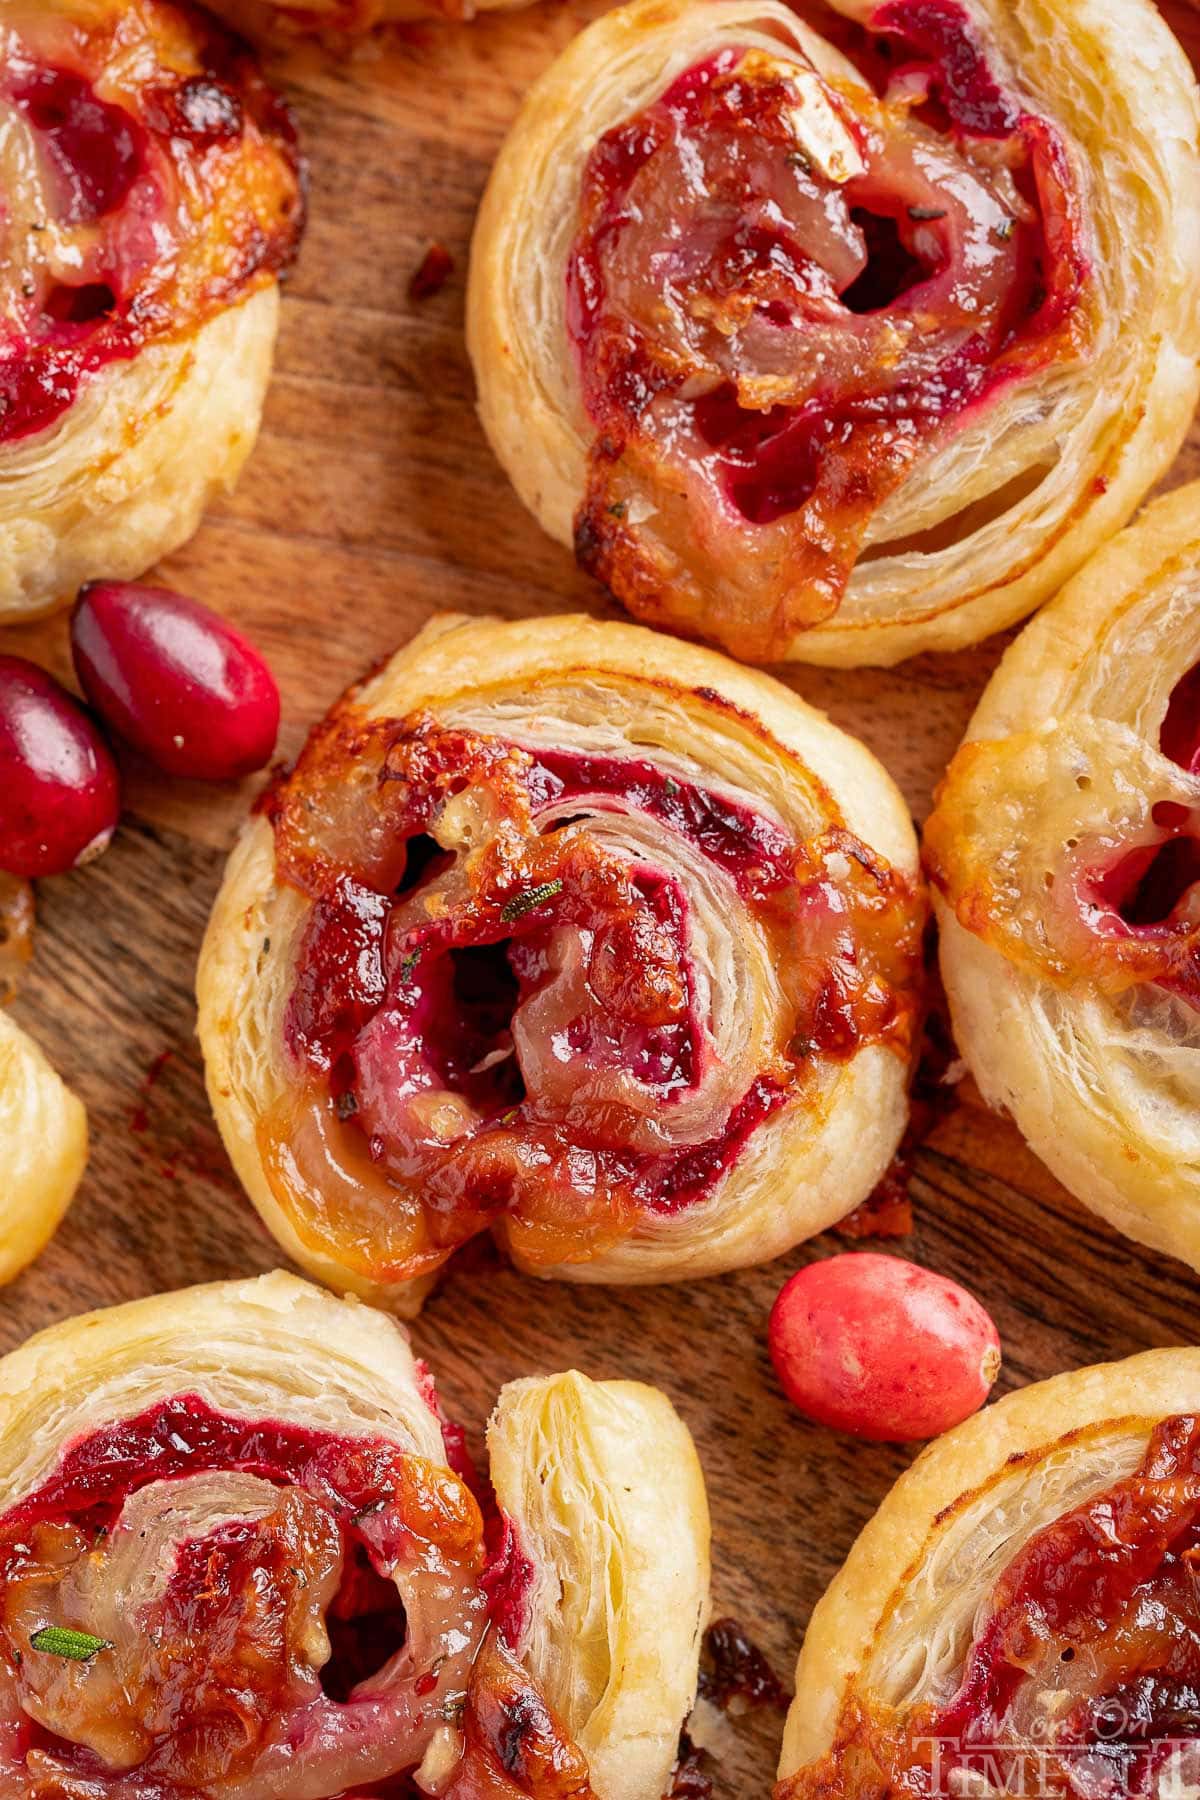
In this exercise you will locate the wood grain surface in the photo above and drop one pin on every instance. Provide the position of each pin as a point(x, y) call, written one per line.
point(372, 501)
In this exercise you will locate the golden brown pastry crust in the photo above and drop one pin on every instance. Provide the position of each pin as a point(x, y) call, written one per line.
point(43, 1148)
point(613, 1633)
point(572, 683)
point(1082, 1030)
point(998, 518)
point(174, 331)
point(623, 1513)
point(895, 1624)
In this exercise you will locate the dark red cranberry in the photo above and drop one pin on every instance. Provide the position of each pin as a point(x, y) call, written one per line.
point(174, 680)
point(59, 791)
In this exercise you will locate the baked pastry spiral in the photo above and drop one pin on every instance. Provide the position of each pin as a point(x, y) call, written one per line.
point(43, 1148)
point(846, 345)
point(573, 932)
point(1065, 859)
point(240, 1557)
point(613, 1642)
point(1021, 1615)
point(151, 197)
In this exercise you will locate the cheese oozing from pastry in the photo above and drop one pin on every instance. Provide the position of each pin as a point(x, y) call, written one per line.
point(1083, 1671)
point(786, 291)
point(502, 1005)
point(152, 179)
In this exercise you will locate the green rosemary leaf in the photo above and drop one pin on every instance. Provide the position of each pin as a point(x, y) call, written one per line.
point(76, 1646)
point(520, 904)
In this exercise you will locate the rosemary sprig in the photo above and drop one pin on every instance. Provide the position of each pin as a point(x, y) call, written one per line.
point(520, 904)
point(76, 1646)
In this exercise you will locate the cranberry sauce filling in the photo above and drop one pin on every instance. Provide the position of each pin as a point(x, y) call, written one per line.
point(508, 1577)
point(754, 850)
point(234, 1589)
point(97, 151)
point(936, 38)
point(1179, 736)
point(184, 1436)
point(1102, 1611)
point(110, 247)
point(783, 291)
point(668, 1184)
point(1150, 888)
point(340, 981)
point(1083, 1676)
point(454, 1437)
point(394, 1007)
point(507, 1580)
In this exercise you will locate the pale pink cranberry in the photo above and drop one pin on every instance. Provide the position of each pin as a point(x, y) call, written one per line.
point(60, 795)
point(879, 1347)
point(174, 680)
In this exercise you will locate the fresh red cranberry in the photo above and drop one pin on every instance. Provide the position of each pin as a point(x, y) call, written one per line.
point(60, 795)
point(174, 680)
point(882, 1348)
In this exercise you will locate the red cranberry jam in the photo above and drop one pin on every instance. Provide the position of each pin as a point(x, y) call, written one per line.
point(1084, 1672)
point(150, 179)
point(787, 288)
point(189, 1595)
point(497, 1018)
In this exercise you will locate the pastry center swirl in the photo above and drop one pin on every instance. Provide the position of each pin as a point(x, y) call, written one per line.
point(788, 288)
point(1083, 1673)
point(558, 988)
point(149, 179)
point(193, 1602)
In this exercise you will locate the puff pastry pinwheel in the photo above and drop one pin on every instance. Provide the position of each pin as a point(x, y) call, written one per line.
point(43, 1148)
point(839, 347)
point(150, 196)
point(613, 1638)
point(241, 1559)
point(1021, 1616)
point(573, 932)
point(1065, 852)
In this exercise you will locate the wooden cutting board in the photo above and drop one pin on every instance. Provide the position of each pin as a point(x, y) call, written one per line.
point(372, 501)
